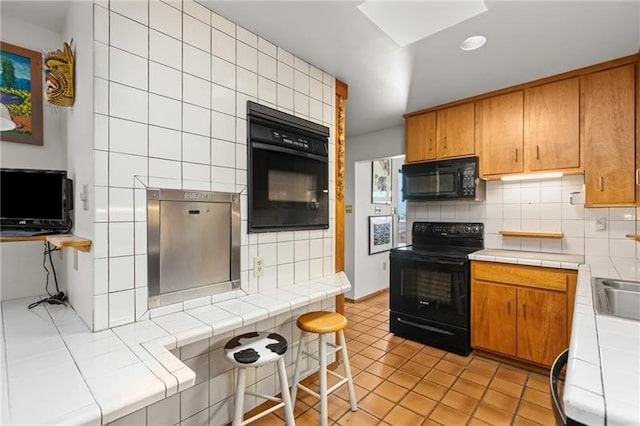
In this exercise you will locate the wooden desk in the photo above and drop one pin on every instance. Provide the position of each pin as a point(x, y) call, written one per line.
point(58, 240)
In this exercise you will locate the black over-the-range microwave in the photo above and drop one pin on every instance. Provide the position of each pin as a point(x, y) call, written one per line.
point(455, 179)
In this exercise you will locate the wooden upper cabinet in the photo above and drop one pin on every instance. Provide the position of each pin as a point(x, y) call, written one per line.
point(456, 135)
point(552, 126)
point(420, 137)
point(500, 127)
point(609, 135)
point(541, 324)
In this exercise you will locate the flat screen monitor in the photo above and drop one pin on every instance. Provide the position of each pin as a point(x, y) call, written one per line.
point(38, 200)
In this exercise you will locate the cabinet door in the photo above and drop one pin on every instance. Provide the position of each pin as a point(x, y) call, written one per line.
point(500, 125)
point(420, 137)
point(542, 325)
point(609, 120)
point(493, 317)
point(456, 134)
point(552, 126)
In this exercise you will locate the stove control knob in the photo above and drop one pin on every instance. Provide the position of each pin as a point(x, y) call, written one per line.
point(467, 229)
point(476, 229)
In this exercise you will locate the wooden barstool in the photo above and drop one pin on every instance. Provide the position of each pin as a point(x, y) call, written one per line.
point(323, 323)
point(255, 350)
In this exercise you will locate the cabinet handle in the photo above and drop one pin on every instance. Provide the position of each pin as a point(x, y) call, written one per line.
point(524, 309)
point(430, 144)
point(537, 152)
point(445, 142)
point(601, 183)
point(516, 155)
point(509, 306)
point(637, 177)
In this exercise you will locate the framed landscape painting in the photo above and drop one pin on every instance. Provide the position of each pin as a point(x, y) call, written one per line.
point(380, 233)
point(381, 181)
point(21, 93)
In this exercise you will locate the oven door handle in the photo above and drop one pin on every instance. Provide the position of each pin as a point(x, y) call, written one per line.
point(432, 261)
point(424, 327)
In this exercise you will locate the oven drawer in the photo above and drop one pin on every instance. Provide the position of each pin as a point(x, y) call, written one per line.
point(528, 276)
point(444, 336)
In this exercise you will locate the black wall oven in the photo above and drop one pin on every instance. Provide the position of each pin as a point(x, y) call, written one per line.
point(430, 285)
point(288, 162)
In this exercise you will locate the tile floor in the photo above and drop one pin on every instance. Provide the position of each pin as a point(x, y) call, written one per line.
point(401, 382)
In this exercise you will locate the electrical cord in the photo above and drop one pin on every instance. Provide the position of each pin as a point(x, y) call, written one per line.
point(54, 299)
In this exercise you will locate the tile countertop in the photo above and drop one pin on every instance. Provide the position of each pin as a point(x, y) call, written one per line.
point(50, 358)
point(531, 258)
point(602, 385)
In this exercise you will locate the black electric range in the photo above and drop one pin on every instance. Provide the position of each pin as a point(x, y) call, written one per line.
point(430, 284)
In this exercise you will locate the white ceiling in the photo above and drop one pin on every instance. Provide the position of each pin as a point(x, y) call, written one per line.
point(526, 40)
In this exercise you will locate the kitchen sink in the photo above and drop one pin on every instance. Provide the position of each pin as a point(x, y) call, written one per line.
point(618, 298)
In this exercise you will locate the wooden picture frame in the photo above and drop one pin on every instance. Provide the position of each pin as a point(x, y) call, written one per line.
point(381, 181)
point(21, 93)
point(380, 233)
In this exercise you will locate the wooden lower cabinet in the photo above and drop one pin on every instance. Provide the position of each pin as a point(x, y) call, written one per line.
point(493, 322)
point(541, 325)
point(526, 319)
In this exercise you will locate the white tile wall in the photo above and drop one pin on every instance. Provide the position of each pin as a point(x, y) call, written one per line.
point(172, 82)
point(539, 206)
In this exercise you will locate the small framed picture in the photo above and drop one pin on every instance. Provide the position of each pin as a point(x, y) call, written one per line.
point(380, 233)
point(381, 181)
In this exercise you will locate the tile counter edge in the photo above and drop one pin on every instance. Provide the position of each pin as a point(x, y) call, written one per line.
point(95, 368)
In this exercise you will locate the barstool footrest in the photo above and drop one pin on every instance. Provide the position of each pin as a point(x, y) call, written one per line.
point(334, 350)
point(309, 391)
point(263, 413)
point(333, 388)
point(263, 396)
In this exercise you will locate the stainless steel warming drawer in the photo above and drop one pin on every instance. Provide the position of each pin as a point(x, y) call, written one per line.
point(193, 240)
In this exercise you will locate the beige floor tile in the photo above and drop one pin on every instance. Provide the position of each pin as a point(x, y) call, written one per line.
point(425, 359)
point(357, 418)
point(512, 374)
point(405, 350)
point(474, 377)
point(415, 369)
point(449, 367)
point(501, 400)
point(536, 413)
point(538, 382)
point(418, 403)
point(376, 405)
point(360, 361)
point(460, 402)
point(467, 387)
point(430, 390)
point(391, 391)
point(373, 353)
point(483, 366)
point(401, 416)
point(448, 416)
point(380, 369)
point(440, 377)
point(367, 380)
point(404, 379)
point(504, 386)
point(542, 399)
point(459, 359)
point(492, 415)
point(392, 360)
point(366, 339)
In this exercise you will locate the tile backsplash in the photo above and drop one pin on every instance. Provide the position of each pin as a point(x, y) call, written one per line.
point(171, 84)
point(540, 206)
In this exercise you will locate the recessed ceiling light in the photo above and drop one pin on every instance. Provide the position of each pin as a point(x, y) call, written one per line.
point(473, 43)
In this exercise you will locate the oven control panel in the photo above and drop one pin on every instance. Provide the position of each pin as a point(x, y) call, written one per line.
point(442, 229)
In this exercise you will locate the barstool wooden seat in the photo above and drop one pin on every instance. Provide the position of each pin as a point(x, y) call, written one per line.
point(323, 323)
point(255, 350)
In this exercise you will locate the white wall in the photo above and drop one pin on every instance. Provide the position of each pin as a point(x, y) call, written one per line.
point(21, 273)
point(79, 124)
point(171, 85)
point(380, 144)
